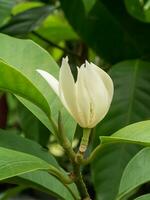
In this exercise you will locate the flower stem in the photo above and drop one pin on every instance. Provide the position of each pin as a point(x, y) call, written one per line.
point(80, 183)
point(84, 140)
point(76, 175)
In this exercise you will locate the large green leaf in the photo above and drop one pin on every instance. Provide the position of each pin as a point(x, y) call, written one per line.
point(138, 133)
point(15, 82)
point(10, 140)
point(13, 163)
point(5, 10)
point(38, 179)
point(131, 103)
point(107, 169)
point(26, 56)
point(109, 30)
point(136, 173)
point(41, 180)
point(139, 9)
point(143, 197)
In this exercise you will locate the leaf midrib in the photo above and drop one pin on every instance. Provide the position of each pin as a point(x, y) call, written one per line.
point(132, 94)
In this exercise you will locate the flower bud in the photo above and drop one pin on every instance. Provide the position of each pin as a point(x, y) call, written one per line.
point(89, 98)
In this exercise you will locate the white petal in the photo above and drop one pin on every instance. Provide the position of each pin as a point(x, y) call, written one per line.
point(82, 98)
point(93, 98)
point(106, 79)
point(53, 82)
point(67, 88)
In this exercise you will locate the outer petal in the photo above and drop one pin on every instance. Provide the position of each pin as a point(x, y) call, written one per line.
point(67, 89)
point(92, 96)
point(54, 84)
point(106, 79)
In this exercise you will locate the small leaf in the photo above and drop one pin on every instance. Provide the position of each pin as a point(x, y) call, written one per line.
point(27, 21)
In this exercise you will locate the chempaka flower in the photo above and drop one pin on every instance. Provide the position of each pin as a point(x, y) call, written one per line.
point(88, 98)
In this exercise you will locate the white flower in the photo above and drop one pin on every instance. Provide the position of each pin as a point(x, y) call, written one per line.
point(89, 98)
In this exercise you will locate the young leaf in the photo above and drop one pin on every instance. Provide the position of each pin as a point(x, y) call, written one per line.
point(137, 133)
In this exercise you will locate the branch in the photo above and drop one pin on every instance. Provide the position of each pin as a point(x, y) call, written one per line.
point(67, 51)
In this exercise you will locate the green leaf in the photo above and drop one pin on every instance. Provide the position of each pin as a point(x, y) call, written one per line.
point(108, 167)
point(13, 163)
point(139, 9)
point(131, 103)
point(5, 10)
point(38, 179)
point(109, 30)
point(34, 132)
point(12, 80)
point(27, 21)
point(26, 56)
point(10, 140)
point(53, 26)
point(143, 197)
point(88, 4)
point(23, 6)
point(138, 133)
point(136, 173)
point(12, 192)
point(44, 182)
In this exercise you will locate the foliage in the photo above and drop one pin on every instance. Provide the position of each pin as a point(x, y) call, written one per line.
point(116, 36)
